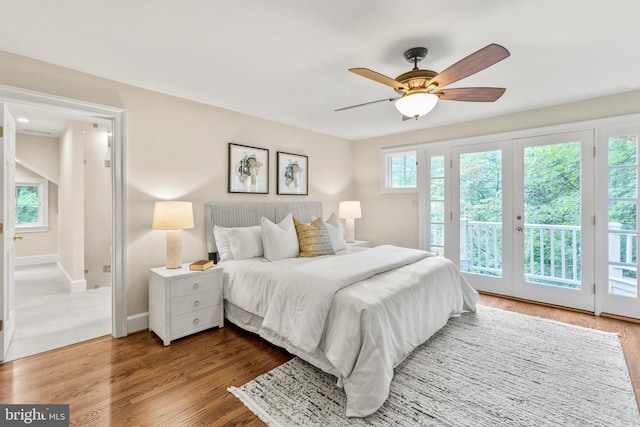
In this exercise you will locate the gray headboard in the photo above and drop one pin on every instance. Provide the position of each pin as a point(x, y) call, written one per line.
point(227, 214)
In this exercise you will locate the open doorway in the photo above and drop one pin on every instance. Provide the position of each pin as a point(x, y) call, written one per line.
point(63, 219)
point(85, 209)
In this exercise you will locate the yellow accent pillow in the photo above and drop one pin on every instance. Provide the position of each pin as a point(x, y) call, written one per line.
point(313, 239)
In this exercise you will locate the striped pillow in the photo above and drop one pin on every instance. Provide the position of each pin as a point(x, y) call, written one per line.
point(313, 239)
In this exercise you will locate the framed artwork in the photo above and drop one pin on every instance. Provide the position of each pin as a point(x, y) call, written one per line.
point(293, 174)
point(248, 169)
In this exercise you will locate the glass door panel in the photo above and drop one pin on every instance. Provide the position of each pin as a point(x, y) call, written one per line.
point(621, 296)
point(552, 216)
point(483, 236)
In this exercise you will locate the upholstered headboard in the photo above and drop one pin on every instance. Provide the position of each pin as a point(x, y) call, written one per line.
point(226, 214)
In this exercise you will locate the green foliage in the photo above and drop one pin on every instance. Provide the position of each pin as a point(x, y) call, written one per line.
point(404, 171)
point(26, 204)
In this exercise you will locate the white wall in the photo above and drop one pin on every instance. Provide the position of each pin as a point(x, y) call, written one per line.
point(97, 207)
point(393, 218)
point(71, 202)
point(177, 149)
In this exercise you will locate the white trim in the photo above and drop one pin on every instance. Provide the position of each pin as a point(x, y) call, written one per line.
point(25, 261)
point(73, 285)
point(117, 116)
point(138, 322)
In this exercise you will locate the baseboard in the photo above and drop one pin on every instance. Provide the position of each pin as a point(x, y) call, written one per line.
point(137, 322)
point(73, 285)
point(24, 261)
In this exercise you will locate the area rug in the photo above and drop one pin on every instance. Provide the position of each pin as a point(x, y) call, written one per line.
point(490, 368)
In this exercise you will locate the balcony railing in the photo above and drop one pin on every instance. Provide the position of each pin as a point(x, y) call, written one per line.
point(551, 254)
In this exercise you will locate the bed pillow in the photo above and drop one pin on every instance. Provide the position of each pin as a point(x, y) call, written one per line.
point(246, 242)
point(280, 240)
point(221, 234)
point(313, 238)
point(335, 232)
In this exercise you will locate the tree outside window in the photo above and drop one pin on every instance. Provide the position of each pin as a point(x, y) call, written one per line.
point(31, 204)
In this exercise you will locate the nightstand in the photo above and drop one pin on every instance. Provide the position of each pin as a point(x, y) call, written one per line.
point(183, 301)
point(358, 243)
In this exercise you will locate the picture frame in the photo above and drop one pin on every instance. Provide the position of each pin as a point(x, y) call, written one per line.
point(293, 174)
point(248, 169)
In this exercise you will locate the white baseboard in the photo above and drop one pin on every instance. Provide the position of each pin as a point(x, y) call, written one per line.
point(73, 285)
point(137, 322)
point(24, 261)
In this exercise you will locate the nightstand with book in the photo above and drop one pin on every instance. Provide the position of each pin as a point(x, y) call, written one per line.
point(185, 300)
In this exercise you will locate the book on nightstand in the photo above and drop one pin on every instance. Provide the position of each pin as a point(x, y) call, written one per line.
point(201, 265)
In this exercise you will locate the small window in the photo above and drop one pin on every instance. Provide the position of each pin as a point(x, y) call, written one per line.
point(398, 170)
point(32, 205)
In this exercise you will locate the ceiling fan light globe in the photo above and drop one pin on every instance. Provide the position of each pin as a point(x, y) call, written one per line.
point(416, 104)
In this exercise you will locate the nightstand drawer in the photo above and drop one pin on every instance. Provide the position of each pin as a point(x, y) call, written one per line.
point(201, 319)
point(197, 301)
point(190, 285)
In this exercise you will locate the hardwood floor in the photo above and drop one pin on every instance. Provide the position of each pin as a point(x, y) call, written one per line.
point(136, 381)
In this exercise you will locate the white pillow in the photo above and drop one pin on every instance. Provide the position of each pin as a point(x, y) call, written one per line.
point(246, 242)
point(221, 234)
point(335, 232)
point(280, 240)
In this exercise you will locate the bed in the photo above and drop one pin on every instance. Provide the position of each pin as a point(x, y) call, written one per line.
point(355, 314)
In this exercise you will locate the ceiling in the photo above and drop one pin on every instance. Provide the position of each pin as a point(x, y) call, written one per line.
point(287, 60)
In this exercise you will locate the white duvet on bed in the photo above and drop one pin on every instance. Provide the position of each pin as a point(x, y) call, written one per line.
point(383, 308)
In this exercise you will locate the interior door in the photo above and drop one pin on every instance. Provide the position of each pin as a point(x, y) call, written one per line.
point(7, 221)
point(554, 227)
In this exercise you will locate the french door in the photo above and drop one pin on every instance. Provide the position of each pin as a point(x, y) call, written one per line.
point(523, 217)
point(617, 232)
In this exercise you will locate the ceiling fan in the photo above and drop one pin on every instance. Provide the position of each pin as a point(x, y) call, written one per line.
point(419, 90)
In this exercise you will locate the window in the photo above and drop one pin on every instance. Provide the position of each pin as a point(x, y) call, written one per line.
point(32, 206)
point(398, 170)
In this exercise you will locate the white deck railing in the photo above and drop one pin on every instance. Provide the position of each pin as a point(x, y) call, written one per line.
point(551, 254)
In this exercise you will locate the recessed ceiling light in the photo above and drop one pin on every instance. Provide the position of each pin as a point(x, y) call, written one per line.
point(23, 120)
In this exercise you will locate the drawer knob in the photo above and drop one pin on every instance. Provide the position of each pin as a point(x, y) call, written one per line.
point(196, 285)
point(196, 303)
point(196, 321)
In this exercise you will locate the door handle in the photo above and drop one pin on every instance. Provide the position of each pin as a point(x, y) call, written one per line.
point(17, 237)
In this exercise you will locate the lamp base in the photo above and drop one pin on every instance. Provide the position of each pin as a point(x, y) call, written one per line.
point(174, 249)
point(351, 230)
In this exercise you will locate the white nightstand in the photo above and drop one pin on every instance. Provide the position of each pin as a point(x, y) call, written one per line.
point(183, 301)
point(358, 243)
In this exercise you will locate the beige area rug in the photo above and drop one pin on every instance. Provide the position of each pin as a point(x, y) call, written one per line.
point(490, 368)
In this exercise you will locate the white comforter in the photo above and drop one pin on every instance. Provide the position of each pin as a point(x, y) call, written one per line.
point(365, 322)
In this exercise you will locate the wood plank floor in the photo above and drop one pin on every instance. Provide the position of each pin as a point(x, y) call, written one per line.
point(136, 381)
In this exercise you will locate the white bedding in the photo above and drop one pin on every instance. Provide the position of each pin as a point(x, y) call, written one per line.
point(373, 319)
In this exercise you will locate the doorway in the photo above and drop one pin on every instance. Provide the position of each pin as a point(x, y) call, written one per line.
point(525, 209)
point(112, 119)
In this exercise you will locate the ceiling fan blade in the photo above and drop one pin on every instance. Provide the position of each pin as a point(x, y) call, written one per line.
point(380, 78)
point(477, 61)
point(366, 103)
point(471, 94)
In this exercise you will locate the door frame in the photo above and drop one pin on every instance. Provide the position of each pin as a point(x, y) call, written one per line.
point(117, 117)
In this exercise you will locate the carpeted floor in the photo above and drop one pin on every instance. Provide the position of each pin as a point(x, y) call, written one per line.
point(490, 368)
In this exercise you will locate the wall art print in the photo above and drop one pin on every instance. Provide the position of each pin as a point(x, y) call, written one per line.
point(293, 174)
point(248, 169)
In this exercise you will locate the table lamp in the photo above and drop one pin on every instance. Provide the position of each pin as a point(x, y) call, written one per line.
point(173, 217)
point(350, 210)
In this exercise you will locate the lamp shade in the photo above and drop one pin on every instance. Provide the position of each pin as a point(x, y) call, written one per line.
point(349, 209)
point(416, 104)
point(172, 215)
